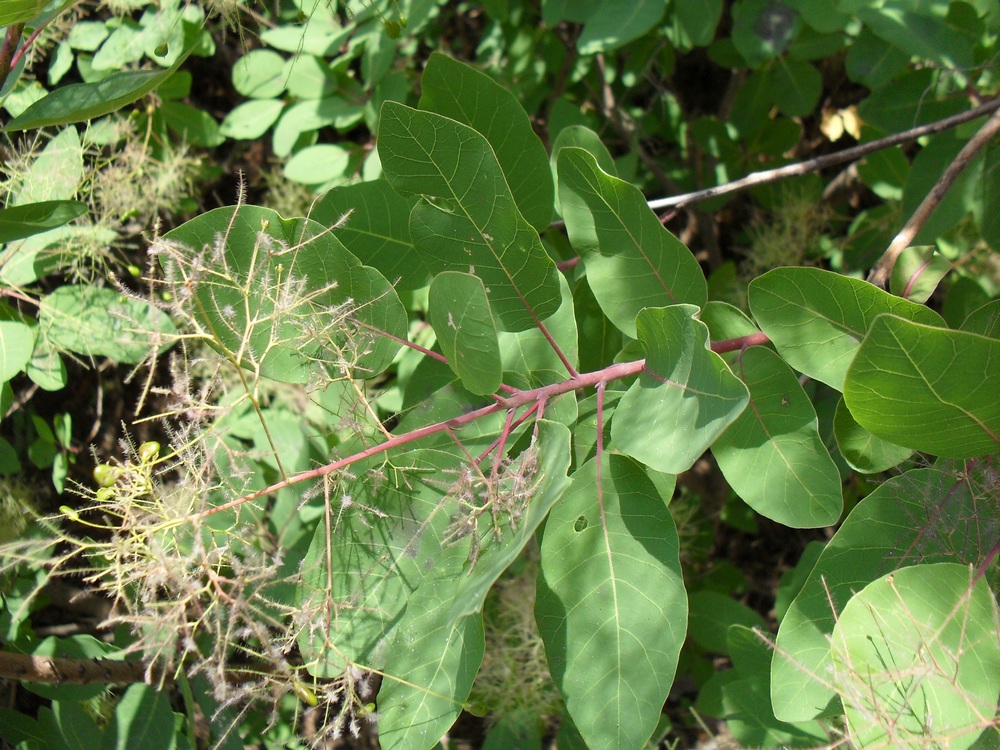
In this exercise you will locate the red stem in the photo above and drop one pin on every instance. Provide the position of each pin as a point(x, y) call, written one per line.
point(537, 397)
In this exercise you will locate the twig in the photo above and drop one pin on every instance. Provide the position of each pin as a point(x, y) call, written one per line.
point(63, 671)
point(881, 270)
point(10, 40)
point(828, 160)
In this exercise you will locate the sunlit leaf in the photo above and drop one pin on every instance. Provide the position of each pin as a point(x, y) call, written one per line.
point(685, 397)
point(270, 277)
point(916, 658)
point(18, 222)
point(927, 388)
point(923, 516)
point(817, 318)
point(632, 262)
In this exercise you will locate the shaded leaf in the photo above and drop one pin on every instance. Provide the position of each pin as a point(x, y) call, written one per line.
point(464, 94)
point(772, 455)
point(611, 603)
point(18, 222)
point(439, 645)
point(468, 221)
point(274, 282)
point(685, 397)
point(98, 322)
point(460, 313)
point(632, 262)
point(817, 319)
point(927, 388)
point(862, 450)
point(372, 220)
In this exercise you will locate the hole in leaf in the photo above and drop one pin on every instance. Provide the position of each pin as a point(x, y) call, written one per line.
point(580, 524)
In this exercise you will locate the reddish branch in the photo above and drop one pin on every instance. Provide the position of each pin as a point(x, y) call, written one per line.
point(531, 397)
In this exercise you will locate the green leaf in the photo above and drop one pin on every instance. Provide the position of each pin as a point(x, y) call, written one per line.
point(88, 101)
point(900, 524)
point(927, 388)
point(372, 220)
point(468, 221)
point(459, 311)
point(984, 320)
point(17, 340)
point(632, 262)
point(438, 680)
point(948, 42)
point(251, 119)
point(916, 658)
point(989, 197)
point(18, 222)
point(611, 605)
point(817, 318)
point(310, 115)
point(260, 74)
point(316, 165)
point(772, 455)
point(873, 62)
point(694, 22)
point(438, 647)
point(611, 25)
point(20, 11)
point(763, 29)
point(796, 87)
point(194, 126)
point(685, 397)
point(256, 310)
point(862, 450)
point(455, 90)
point(143, 718)
point(97, 322)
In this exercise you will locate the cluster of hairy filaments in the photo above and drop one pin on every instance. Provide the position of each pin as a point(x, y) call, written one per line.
point(499, 497)
point(263, 306)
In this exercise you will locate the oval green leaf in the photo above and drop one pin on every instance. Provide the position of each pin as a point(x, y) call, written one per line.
point(611, 605)
point(459, 311)
point(930, 389)
point(773, 455)
point(817, 318)
point(455, 90)
point(685, 397)
point(916, 658)
point(468, 221)
point(632, 261)
point(899, 524)
point(18, 222)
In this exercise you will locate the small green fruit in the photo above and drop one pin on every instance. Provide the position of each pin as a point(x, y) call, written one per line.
point(161, 49)
point(106, 475)
point(392, 29)
point(149, 451)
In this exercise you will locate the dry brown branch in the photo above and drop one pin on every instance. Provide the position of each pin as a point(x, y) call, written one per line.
point(881, 270)
point(828, 160)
